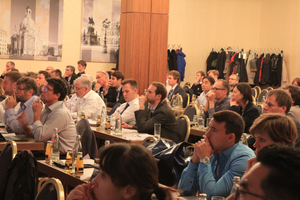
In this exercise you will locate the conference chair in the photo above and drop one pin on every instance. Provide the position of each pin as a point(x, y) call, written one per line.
point(190, 111)
point(176, 96)
point(258, 90)
point(254, 92)
point(269, 88)
point(260, 98)
point(183, 127)
point(52, 189)
point(149, 140)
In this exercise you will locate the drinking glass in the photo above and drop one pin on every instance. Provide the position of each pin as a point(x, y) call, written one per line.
point(157, 130)
point(48, 151)
point(208, 121)
point(217, 198)
point(200, 123)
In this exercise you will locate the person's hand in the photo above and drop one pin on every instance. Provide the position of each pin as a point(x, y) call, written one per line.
point(37, 107)
point(97, 86)
point(124, 125)
point(80, 192)
point(11, 101)
point(233, 102)
point(195, 158)
point(142, 100)
point(204, 148)
point(250, 163)
point(23, 120)
point(4, 72)
point(211, 96)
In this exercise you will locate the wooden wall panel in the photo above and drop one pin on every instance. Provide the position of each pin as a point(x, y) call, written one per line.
point(137, 6)
point(158, 48)
point(160, 6)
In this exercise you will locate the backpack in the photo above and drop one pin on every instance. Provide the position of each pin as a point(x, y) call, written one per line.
point(23, 177)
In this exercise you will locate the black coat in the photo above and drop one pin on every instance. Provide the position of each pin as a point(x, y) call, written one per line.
point(163, 115)
point(73, 77)
point(112, 96)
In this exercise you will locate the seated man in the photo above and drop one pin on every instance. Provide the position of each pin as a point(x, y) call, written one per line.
point(233, 80)
point(214, 74)
point(129, 87)
point(217, 158)
point(116, 95)
point(9, 84)
point(89, 101)
point(217, 99)
point(197, 89)
point(41, 80)
point(9, 65)
point(25, 93)
point(159, 112)
point(81, 67)
point(54, 115)
point(102, 84)
point(70, 75)
point(174, 81)
point(57, 74)
point(267, 179)
point(207, 84)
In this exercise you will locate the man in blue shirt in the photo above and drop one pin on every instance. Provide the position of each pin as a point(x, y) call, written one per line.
point(217, 158)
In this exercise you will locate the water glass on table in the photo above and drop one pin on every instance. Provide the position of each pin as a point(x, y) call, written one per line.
point(157, 130)
point(200, 123)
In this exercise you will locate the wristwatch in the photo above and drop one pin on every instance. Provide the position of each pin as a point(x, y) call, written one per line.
point(205, 160)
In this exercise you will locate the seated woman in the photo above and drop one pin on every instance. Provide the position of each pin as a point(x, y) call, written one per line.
point(241, 102)
point(127, 171)
point(272, 128)
point(296, 82)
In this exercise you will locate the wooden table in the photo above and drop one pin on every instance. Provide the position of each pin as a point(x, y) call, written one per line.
point(196, 132)
point(31, 145)
point(128, 136)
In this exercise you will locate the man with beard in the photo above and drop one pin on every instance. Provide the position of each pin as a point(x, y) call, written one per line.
point(25, 93)
point(159, 112)
point(9, 85)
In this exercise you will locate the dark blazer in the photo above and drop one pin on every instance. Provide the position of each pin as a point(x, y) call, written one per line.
point(180, 90)
point(163, 114)
point(197, 89)
point(251, 112)
point(73, 77)
point(79, 73)
point(112, 96)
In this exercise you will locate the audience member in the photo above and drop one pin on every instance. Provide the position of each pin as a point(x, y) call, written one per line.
point(127, 171)
point(159, 112)
point(241, 102)
point(294, 91)
point(88, 101)
point(214, 74)
point(2, 92)
point(279, 101)
point(129, 87)
point(197, 86)
point(57, 74)
point(33, 75)
point(70, 75)
point(296, 82)
point(25, 93)
point(233, 80)
point(207, 84)
point(49, 69)
point(9, 65)
point(102, 84)
point(112, 70)
point(174, 82)
point(217, 99)
point(217, 158)
point(116, 95)
point(9, 84)
point(54, 115)
point(81, 67)
point(274, 176)
point(41, 80)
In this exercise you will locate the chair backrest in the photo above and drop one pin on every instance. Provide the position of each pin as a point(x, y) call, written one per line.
point(254, 92)
point(23, 178)
point(174, 97)
point(254, 100)
point(260, 108)
point(258, 90)
point(269, 88)
point(114, 108)
point(190, 111)
point(7, 155)
point(262, 94)
point(88, 139)
point(183, 127)
point(188, 84)
point(149, 140)
point(52, 189)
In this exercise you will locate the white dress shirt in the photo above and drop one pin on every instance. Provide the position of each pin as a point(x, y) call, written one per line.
point(91, 104)
point(128, 115)
point(71, 102)
point(202, 98)
point(3, 108)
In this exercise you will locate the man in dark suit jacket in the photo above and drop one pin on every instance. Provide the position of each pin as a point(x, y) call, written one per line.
point(70, 75)
point(81, 67)
point(115, 95)
point(174, 81)
point(159, 112)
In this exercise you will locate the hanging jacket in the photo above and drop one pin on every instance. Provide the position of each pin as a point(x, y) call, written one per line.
point(172, 60)
point(221, 64)
point(212, 56)
point(258, 71)
point(227, 67)
point(266, 70)
point(181, 64)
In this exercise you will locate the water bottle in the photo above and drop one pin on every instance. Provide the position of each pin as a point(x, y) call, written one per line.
point(112, 124)
point(236, 180)
point(102, 95)
point(119, 124)
point(78, 145)
point(54, 156)
point(103, 118)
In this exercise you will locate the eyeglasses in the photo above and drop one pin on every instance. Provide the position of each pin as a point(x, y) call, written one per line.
point(46, 88)
point(215, 89)
point(232, 79)
point(239, 191)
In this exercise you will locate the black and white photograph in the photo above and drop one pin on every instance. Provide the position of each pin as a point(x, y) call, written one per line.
point(32, 29)
point(100, 30)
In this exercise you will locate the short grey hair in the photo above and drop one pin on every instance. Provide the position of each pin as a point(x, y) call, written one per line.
point(85, 81)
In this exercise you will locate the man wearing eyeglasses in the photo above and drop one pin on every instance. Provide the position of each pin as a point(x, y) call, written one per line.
point(54, 115)
point(217, 158)
point(233, 80)
point(275, 175)
point(217, 99)
point(25, 93)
